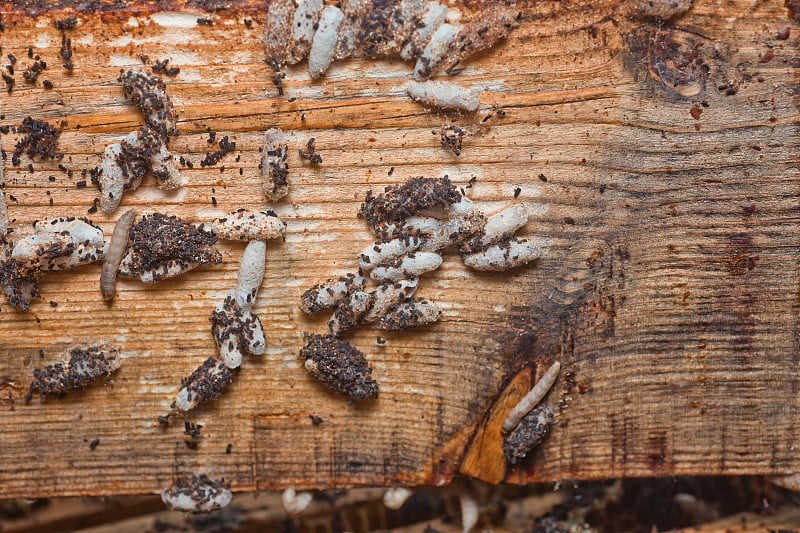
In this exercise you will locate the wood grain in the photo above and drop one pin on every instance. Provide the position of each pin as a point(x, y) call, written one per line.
point(670, 292)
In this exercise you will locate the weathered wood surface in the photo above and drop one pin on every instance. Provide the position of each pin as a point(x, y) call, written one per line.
point(669, 292)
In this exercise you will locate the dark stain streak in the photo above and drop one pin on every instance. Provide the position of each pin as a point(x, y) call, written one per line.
point(741, 256)
point(657, 452)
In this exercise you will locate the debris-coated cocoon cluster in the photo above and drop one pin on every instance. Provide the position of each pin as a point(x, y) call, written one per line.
point(80, 366)
point(435, 51)
point(660, 9)
point(306, 18)
point(163, 246)
point(433, 17)
point(504, 256)
point(248, 225)
point(327, 295)
point(323, 46)
point(339, 366)
point(532, 398)
point(197, 494)
point(114, 252)
point(206, 383)
point(444, 95)
point(149, 94)
point(411, 265)
point(381, 252)
point(274, 167)
point(236, 329)
point(530, 432)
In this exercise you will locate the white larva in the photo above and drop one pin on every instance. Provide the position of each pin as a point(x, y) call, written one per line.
point(504, 256)
point(502, 224)
point(395, 497)
point(248, 226)
point(306, 17)
point(274, 167)
point(295, 503)
point(412, 265)
point(197, 494)
point(251, 273)
point(435, 51)
point(381, 252)
point(323, 46)
point(444, 95)
point(431, 20)
point(470, 510)
point(530, 400)
point(114, 253)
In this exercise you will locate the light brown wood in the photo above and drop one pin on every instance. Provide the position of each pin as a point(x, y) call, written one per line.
point(669, 291)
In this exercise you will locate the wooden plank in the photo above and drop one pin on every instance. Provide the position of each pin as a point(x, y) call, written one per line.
point(669, 291)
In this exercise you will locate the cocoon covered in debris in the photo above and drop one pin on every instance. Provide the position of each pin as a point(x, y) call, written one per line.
point(444, 95)
point(497, 227)
point(381, 252)
point(59, 244)
point(413, 313)
point(528, 434)
point(323, 46)
point(306, 18)
point(339, 366)
point(278, 31)
point(328, 294)
point(274, 167)
point(204, 384)
point(248, 226)
point(149, 94)
point(80, 366)
point(197, 494)
point(433, 17)
point(412, 265)
point(163, 246)
point(435, 51)
point(504, 256)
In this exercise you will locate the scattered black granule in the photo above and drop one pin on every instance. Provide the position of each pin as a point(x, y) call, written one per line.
point(162, 68)
point(30, 167)
point(163, 420)
point(10, 69)
point(191, 434)
point(81, 184)
point(277, 81)
point(205, 385)
point(62, 167)
point(380, 340)
point(12, 198)
point(40, 139)
point(229, 448)
point(41, 354)
point(92, 209)
point(31, 74)
point(310, 153)
point(18, 283)
point(400, 202)
point(225, 147)
point(30, 53)
point(47, 84)
point(85, 365)
point(316, 420)
point(68, 23)
point(528, 434)
point(9, 81)
point(543, 178)
point(94, 443)
point(5, 129)
point(248, 23)
point(391, 171)
point(53, 304)
point(150, 95)
point(517, 191)
point(213, 200)
point(212, 137)
point(452, 138)
point(205, 21)
point(51, 178)
point(339, 365)
point(66, 52)
point(158, 240)
point(12, 58)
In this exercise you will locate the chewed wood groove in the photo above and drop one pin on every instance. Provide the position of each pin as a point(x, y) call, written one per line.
point(669, 292)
